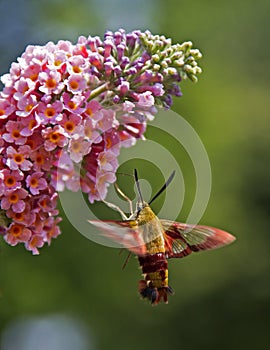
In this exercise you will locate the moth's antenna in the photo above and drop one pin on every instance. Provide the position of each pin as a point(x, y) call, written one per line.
point(163, 187)
point(138, 185)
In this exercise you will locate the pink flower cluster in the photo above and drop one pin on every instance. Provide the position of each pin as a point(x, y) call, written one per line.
point(65, 112)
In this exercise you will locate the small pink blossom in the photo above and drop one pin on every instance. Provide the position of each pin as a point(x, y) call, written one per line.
point(36, 182)
point(50, 82)
point(49, 113)
point(51, 229)
point(26, 105)
point(146, 99)
point(55, 137)
point(56, 60)
point(14, 200)
point(112, 141)
point(23, 87)
point(42, 160)
point(77, 65)
point(35, 242)
point(12, 179)
point(92, 109)
point(72, 124)
point(17, 233)
point(108, 120)
point(14, 133)
point(107, 161)
point(30, 71)
point(90, 132)
point(47, 203)
point(76, 83)
point(27, 217)
point(17, 159)
point(73, 104)
point(128, 106)
point(103, 181)
point(6, 108)
point(78, 148)
point(29, 124)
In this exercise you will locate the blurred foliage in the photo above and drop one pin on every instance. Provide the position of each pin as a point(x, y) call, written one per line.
point(222, 297)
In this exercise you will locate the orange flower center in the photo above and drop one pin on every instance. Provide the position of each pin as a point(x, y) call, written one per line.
point(74, 85)
point(76, 146)
point(15, 134)
point(30, 143)
point(43, 203)
point(32, 124)
point(69, 126)
point(51, 83)
point(40, 159)
point(49, 112)
point(108, 143)
point(18, 158)
point(88, 132)
point(16, 230)
point(34, 241)
point(19, 216)
point(57, 63)
point(33, 77)
point(72, 105)
point(34, 182)
point(25, 89)
point(76, 69)
point(88, 111)
point(10, 181)
point(2, 111)
point(54, 137)
point(13, 198)
point(28, 108)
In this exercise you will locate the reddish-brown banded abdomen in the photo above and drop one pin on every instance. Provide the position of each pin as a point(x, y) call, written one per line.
point(153, 263)
point(155, 285)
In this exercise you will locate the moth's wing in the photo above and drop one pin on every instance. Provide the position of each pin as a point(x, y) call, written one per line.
point(175, 244)
point(182, 239)
point(125, 233)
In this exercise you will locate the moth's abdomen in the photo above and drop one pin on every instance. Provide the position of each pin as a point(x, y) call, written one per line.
point(155, 285)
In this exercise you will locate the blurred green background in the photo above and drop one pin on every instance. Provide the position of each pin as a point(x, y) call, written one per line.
point(222, 298)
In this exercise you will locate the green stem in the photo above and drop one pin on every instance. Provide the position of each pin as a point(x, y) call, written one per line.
point(98, 91)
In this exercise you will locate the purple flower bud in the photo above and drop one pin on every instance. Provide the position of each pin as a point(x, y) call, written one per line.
point(108, 45)
point(92, 44)
point(124, 88)
point(132, 71)
point(108, 66)
point(175, 90)
point(108, 35)
point(131, 39)
point(118, 36)
point(120, 51)
point(168, 101)
point(157, 89)
point(125, 62)
point(117, 70)
point(116, 99)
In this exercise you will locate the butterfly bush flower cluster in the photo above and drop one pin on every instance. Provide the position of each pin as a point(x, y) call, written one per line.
point(65, 112)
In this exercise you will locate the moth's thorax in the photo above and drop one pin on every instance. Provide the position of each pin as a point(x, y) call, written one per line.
point(151, 230)
point(145, 214)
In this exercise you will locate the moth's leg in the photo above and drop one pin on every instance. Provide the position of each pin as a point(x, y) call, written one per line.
point(115, 207)
point(122, 194)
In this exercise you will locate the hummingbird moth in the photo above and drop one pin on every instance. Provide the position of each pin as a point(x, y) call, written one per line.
point(155, 240)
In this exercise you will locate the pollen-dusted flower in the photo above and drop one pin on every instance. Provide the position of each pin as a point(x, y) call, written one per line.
point(64, 104)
